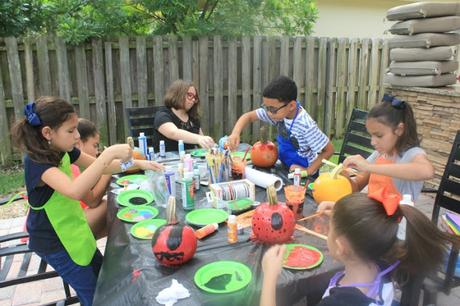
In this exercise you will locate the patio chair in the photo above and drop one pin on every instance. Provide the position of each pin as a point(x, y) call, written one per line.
point(140, 119)
point(447, 198)
point(14, 247)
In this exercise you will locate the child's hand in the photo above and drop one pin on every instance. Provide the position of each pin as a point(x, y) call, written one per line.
point(205, 142)
point(233, 141)
point(326, 207)
point(272, 261)
point(119, 151)
point(358, 162)
point(149, 165)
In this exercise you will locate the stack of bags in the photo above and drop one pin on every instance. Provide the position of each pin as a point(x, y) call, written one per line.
point(423, 50)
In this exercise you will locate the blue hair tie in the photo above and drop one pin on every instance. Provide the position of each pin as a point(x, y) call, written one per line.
point(32, 117)
point(395, 102)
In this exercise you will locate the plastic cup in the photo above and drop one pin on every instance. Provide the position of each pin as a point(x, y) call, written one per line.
point(295, 197)
point(238, 165)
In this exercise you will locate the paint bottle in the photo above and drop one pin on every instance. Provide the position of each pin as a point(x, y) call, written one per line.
point(232, 229)
point(143, 144)
point(196, 178)
point(151, 153)
point(180, 146)
point(206, 230)
point(188, 163)
point(188, 191)
point(170, 177)
point(180, 171)
point(297, 177)
point(162, 148)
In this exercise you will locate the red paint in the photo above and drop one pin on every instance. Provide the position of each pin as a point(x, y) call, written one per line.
point(273, 223)
point(301, 257)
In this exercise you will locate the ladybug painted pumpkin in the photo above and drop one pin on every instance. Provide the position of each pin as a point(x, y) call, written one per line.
point(273, 222)
point(331, 186)
point(173, 244)
point(264, 153)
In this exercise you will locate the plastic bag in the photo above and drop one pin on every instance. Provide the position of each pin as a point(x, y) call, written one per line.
point(157, 185)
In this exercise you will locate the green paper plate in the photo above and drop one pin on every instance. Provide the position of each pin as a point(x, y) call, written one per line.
point(131, 197)
point(241, 154)
point(199, 153)
point(304, 263)
point(145, 229)
point(240, 205)
point(223, 276)
point(137, 213)
point(310, 186)
point(132, 179)
point(205, 216)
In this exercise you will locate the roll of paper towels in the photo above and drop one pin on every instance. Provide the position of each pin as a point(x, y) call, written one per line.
point(263, 179)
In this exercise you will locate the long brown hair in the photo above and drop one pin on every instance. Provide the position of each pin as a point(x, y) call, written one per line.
point(53, 112)
point(175, 97)
point(372, 235)
point(389, 115)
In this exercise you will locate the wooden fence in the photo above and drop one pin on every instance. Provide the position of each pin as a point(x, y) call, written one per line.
point(101, 78)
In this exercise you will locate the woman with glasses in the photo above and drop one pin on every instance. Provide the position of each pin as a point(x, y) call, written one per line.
point(301, 144)
point(179, 119)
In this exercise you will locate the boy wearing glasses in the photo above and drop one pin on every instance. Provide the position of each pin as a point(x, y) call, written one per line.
point(301, 144)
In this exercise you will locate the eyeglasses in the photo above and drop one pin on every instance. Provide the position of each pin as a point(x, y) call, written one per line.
point(395, 102)
point(191, 96)
point(271, 109)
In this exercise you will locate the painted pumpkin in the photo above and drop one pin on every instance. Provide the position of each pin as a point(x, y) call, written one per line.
point(173, 244)
point(136, 155)
point(331, 186)
point(264, 153)
point(273, 222)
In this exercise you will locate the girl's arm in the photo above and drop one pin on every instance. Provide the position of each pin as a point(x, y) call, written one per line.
point(171, 131)
point(94, 197)
point(271, 265)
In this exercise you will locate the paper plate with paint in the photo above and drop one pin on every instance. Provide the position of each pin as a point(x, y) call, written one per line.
point(205, 216)
point(240, 205)
point(199, 153)
point(145, 229)
point(134, 198)
point(137, 213)
point(241, 154)
point(131, 179)
point(302, 256)
point(223, 276)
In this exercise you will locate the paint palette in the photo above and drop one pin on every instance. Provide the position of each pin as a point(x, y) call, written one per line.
point(301, 256)
point(135, 214)
point(145, 229)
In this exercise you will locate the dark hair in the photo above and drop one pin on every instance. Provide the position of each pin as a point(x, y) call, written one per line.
point(87, 129)
point(281, 88)
point(387, 114)
point(175, 97)
point(53, 112)
point(372, 235)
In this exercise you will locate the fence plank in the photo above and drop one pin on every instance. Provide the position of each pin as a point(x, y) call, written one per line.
point(232, 84)
point(203, 79)
point(196, 63)
point(352, 69)
point(63, 69)
point(29, 62)
point(246, 82)
point(310, 79)
point(322, 71)
point(99, 90)
point(110, 94)
point(257, 80)
point(218, 118)
point(298, 74)
point(374, 72)
point(383, 67)
point(363, 74)
point(15, 76)
point(82, 81)
point(173, 59)
point(141, 65)
point(44, 77)
point(5, 143)
point(331, 81)
point(158, 67)
point(187, 58)
point(272, 60)
point(284, 56)
point(340, 96)
point(125, 73)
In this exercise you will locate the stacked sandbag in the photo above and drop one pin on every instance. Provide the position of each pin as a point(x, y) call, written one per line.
point(423, 50)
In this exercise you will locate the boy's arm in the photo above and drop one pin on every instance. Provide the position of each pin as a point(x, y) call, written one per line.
point(325, 153)
point(234, 138)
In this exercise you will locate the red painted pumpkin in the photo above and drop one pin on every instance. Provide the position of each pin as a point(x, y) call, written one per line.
point(264, 153)
point(273, 222)
point(173, 244)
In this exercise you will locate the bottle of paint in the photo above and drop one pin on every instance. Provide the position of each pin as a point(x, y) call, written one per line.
point(170, 177)
point(232, 229)
point(196, 178)
point(297, 177)
point(206, 230)
point(188, 191)
point(162, 148)
point(180, 146)
point(143, 144)
point(151, 155)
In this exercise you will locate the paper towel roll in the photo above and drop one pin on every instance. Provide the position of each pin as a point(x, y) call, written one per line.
point(263, 179)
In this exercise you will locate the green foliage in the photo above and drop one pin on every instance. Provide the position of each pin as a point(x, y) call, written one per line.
point(80, 20)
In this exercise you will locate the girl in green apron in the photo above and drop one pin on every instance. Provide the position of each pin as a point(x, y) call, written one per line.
point(57, 226)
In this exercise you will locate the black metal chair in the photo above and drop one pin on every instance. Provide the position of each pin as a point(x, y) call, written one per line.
point(14, 246)
point(448, 198)
point(141, 119)
point(357, 140)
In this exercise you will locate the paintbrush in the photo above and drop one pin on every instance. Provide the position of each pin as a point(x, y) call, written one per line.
point(306, 230)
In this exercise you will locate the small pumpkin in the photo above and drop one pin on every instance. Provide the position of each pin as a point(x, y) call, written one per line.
point(331, 186)
point(264, 153)
point(137, 154)
point(173, 244)
point(273, 222)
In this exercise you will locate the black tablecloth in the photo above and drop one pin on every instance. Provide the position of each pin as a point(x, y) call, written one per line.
point(130, 274)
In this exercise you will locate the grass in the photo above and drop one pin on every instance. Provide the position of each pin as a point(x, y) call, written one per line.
point(11, 179)
point(337, 143)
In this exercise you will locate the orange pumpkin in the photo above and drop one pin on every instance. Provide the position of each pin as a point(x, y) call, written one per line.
point(331, 186)
point(264, 153)
point(136, 155)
